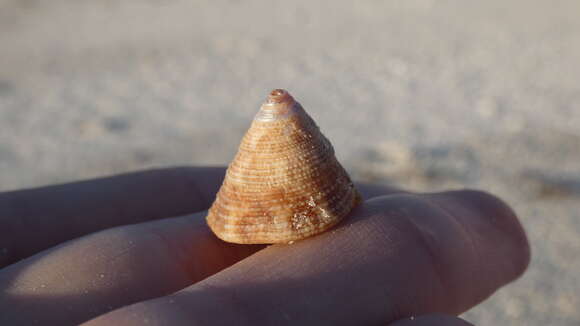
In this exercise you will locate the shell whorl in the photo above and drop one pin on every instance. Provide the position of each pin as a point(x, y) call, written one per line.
point(285, 183)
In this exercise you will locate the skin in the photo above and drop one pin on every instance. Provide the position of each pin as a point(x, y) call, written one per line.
point(135, 249)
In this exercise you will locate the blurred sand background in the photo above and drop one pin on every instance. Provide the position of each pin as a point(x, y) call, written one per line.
point(424, 94)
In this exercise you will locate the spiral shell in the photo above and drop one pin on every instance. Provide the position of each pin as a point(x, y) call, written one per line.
point(285, 183)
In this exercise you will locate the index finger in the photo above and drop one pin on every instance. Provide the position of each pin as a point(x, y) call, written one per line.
point(36, 219)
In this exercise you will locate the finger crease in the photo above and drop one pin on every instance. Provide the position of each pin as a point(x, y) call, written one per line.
point(429, 245)
point(467, 234)
point(178, 255)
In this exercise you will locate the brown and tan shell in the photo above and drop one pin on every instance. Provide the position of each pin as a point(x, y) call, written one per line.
point(285, 183)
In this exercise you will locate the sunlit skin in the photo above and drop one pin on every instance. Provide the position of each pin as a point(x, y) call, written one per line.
point(135, 249)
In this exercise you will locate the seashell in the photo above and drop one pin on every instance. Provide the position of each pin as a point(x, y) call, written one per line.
point(284, 183)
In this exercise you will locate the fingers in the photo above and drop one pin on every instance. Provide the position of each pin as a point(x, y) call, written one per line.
point(399, 255)
point(432, 320)
point(36, 219)
point(116, 267)
point(89, 276)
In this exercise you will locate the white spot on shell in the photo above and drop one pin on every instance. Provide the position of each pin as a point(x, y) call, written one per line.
point(311, 202)
point(300, 220)
point(324, 213)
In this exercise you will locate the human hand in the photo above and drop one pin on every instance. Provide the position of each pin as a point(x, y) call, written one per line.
point(111, 249)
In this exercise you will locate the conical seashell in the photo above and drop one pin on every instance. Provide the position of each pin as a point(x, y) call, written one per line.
point(285, 183)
